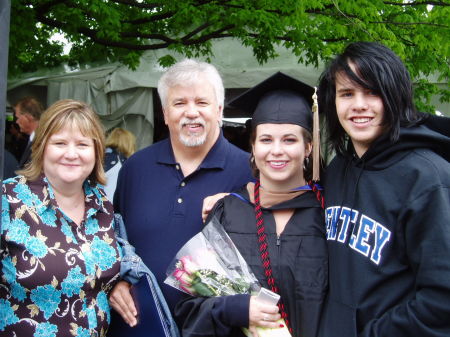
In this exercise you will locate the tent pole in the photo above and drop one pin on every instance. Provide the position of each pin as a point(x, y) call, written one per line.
point(5, 14)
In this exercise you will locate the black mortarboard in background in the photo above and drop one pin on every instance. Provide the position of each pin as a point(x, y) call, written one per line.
point(281, 99)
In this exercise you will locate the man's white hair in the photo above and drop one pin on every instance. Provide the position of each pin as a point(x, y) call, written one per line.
point(188, 72)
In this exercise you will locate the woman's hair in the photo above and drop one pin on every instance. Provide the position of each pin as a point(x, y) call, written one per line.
point(61, 114)
point(188, 72)
point(379, 69)
point(122, 140)
point(307, 139)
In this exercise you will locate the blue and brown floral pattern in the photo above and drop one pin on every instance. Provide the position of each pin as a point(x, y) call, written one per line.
point(36, 246)
point(18, 292)
point(65, 228)
point(102, 253)
point(18, 231)
point(80, 332)
point(103, 305)
point(91, 315)
point(92, 226)
point(46, 330)
point(8, 270)
point(73, 283)
point(46, 298)
point(9, 274)
point(48, 217)
point(55, 274)
point(7, 314)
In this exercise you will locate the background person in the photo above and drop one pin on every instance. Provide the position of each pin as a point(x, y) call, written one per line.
point(387, 202)
point(15, 141)
point(281, 142)
point(28, 112)
point(160, 188)
point(120, 145)
point(9, 165)
point(60, 258)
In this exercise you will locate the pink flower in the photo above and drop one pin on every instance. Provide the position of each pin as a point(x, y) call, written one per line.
point(183, 277)
point(188, 265)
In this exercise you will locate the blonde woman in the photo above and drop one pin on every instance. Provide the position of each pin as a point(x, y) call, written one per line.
point(59, 256)
point(120, 144)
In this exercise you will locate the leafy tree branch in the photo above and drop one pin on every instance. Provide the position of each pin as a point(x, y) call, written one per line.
point(314, 30)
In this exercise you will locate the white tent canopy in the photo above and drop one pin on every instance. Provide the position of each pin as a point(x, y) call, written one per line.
point(124, 98)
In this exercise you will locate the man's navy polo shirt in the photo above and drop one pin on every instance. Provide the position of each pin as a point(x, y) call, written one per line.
point(162, 208)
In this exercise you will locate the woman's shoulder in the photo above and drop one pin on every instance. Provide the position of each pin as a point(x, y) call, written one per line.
point(15, 184)
point(96, 193)
point(14, 180)
point(233, 212)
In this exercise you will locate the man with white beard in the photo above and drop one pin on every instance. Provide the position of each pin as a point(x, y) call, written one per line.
point(161, 188)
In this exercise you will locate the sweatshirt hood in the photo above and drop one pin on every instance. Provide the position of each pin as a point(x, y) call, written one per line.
point(431, 133)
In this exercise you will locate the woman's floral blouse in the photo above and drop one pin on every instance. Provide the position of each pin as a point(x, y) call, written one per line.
point(55, 275)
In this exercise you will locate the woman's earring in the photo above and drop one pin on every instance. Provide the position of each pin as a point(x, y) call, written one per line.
point(305, 163)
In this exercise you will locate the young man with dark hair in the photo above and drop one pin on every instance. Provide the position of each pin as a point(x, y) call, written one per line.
point(387, 202)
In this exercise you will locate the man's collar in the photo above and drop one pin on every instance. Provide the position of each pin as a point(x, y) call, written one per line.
point(165, 153)
point(32, 136)
point(217, 155)
point(214, 159)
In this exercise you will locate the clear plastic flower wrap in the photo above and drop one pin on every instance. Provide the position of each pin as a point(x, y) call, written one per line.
point(209, 264)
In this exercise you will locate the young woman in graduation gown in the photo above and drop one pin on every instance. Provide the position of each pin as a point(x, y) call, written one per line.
point(289, 227)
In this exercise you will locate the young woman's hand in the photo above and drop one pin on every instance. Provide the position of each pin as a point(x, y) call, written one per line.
point(209, 202)
point(122, 301)
point(263, 315)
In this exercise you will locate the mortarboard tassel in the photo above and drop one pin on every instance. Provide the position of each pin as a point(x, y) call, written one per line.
point(316, 138)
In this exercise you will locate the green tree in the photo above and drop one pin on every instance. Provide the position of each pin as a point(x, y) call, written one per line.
point(314, 30)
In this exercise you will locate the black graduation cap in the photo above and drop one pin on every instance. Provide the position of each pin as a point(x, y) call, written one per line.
point(280, 99)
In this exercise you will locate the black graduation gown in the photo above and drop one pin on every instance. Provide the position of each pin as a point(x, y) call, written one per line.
point(299, 261)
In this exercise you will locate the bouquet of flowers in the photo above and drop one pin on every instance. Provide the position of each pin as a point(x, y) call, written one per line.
point(209, 264)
